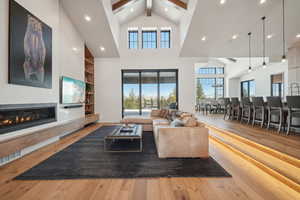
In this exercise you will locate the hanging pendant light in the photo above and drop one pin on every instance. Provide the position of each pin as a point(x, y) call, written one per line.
point(283, 59)
point(250, 68)
point(264, 41)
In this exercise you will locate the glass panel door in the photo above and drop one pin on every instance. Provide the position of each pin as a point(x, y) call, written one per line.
point(149, 84)
point(131, 93)
point(168, 90)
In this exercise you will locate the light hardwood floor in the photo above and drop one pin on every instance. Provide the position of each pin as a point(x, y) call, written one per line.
point(247, 182)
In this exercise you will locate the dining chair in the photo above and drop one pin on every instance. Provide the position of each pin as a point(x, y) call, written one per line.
point(246, 110)
point(234, 108)
point(275, 110)
point(259, 111)
point(293, 103)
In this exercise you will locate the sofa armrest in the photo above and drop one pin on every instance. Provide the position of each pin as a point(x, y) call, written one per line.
point(182, 142)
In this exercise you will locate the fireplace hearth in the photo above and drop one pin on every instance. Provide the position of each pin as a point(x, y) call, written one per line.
point(16, 117)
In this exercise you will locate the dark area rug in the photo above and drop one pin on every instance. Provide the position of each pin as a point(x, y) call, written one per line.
point(86, 159)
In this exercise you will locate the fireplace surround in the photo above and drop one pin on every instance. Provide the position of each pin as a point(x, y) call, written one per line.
point(15, 117)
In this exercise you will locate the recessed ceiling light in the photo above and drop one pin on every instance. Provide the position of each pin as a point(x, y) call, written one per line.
point(131, 9)
point(102, 48)
point(262, 1)
point(203, 38)
point(222, 2)
point(87, 18)
point(166, 9)
point(298, 35)
point(269, 36)
point(234, 36)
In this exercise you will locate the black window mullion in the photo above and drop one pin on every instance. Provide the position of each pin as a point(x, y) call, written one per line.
point(140, 90)
point(158, 90)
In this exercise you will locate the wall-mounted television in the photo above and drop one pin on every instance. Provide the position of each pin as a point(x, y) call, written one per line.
point(72, 91)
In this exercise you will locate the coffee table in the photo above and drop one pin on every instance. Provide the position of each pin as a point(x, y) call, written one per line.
point(121, 140)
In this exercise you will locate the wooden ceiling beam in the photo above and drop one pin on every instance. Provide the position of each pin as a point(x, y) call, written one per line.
point(120, 4)
point(179, 3)
point(149, 7)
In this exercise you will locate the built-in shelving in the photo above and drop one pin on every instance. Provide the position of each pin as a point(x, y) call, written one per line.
point(89, 80)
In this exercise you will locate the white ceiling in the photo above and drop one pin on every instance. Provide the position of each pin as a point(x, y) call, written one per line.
point(219, 22)
point(98, 31)
point(138, 8)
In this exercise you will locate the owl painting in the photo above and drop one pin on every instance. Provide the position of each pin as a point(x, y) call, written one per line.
point(30, 59)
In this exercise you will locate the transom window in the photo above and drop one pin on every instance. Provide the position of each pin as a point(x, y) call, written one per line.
point(149, 39)
point(165, 41)
point(210, 70)
point(133, 39)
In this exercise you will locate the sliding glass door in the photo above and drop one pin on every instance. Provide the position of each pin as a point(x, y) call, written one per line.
point(131, 93)
point(149, 92)
point(144, 90)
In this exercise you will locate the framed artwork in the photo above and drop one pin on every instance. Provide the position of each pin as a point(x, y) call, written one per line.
point(30, 49)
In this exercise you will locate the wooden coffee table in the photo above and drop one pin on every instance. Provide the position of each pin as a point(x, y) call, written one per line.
point(125, 141)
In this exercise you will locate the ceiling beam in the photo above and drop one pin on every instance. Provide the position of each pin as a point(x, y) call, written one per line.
point(179, 3)
point(149, 7)
point(120, 4)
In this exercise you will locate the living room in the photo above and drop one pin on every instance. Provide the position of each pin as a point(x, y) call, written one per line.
point(121, 99)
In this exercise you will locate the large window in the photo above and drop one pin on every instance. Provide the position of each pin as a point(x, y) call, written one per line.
point(133, 39)
point(149, 39)
point(248, 88)
point(144, 90)
point(210, 88)
point(277, 85)
point(165, 40)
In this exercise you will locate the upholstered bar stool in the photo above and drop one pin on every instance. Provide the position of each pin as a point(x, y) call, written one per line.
point(246, 110)
point(259, 111)
point(234, 108)
point(224, 105)
point(293, 103)
point(275, 110)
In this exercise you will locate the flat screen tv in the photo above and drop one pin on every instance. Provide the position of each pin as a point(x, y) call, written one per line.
point(72, 91)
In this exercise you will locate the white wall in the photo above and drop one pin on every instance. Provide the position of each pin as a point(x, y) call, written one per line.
point(108, 71)
point(64, 60)
point(262, 78)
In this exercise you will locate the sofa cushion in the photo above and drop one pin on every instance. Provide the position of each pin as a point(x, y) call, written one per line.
point(177, 123)
point(164, 113)
point(137, 120)
point(155, 113)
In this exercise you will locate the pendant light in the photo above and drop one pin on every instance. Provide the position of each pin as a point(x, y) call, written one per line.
point(250, 68)
point(264, 41)
point(283, 32)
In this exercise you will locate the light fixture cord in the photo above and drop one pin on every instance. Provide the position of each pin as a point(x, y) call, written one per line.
point(264, 38)
point(283, 26)
point(249, 49)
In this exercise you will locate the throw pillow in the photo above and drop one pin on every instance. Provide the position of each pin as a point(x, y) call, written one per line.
point(190, 122)
point(176, 123)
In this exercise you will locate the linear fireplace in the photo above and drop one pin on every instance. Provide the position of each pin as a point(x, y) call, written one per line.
point(15, 117)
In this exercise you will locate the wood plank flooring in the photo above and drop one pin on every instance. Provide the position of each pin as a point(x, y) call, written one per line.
point(247, 182)
point(270, 138)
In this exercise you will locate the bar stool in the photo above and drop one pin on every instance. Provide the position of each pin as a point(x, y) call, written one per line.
point(246, 110)
point(234, 108)
point(224, 105)
point(293, 103)
point(275, 109)
point(259, 111)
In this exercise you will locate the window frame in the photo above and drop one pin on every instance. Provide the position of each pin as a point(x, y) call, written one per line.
point(149, 31)
point(209, 69)
point(281, 85)
point(137, 41)
point(163, 41)
point(140, 85)
point(215, 88)
point(248, 88)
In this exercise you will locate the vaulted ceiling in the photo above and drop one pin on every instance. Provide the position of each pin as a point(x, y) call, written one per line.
point(127, 10)
point(202, 18)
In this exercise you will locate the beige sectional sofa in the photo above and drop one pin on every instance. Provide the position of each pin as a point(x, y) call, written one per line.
point(187, 141)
